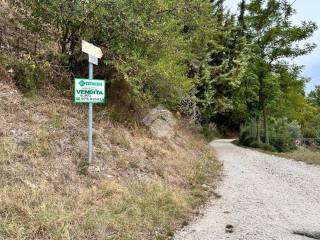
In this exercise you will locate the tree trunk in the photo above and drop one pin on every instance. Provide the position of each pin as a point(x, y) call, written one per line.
point(63, 47)
point(262, 106)
point(265, 124)
point(258, 137)
point(241, 127)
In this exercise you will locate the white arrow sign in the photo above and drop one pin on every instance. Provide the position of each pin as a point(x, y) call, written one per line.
point(91, 49)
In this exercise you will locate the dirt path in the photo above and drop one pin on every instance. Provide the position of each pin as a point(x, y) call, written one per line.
point(262, 197)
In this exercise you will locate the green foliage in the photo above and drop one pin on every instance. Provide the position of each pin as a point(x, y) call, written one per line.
point(314, 96)
point(283, 144)
point(246, 139)
point(283, 134)
point(219, 72)
point(229, 69)
point(294, 129)
point(210, 131)
point(267, 147)
point(146, 43)
point(309, 133)
point(311, 126)
point(30, 75)
point(273, 38)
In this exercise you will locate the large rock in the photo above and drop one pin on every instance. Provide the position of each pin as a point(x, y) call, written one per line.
point(161, 122)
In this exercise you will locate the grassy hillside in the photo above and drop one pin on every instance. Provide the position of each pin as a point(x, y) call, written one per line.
point(138, 187)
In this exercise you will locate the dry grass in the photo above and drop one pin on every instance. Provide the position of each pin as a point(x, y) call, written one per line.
point(137, 188)
point(303, 154)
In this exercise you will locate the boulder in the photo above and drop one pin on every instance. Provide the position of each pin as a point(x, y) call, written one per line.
point(161, 122)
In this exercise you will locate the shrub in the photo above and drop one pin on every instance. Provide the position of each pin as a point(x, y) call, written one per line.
point(267, 147)
point(283, 144)
point(294, 130)
point(210, 132)
point(30, 74)
point(246, 139)
point(255, 144)
point(309, 133)
point(283, 134)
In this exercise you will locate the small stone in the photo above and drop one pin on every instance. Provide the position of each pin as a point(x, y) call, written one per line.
point(229, 228)
point(29, 184)
point(217, 195)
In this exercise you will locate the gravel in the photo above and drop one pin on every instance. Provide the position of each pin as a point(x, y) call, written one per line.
point(262, 197)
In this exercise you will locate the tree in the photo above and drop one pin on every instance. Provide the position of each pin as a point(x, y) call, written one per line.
point(273, 38)
point(147, 44)
point(314, 96)
point(60, 20)
point(220, 70)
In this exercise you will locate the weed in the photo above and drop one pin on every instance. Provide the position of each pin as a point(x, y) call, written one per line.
point(115, 116)
point(121, 160)
point(7, 149)
point(38, 145)
point(83, 167)
point(57, 121)
point(204, 170)
point(117, 138)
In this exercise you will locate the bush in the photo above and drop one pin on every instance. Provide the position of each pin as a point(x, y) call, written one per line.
point(255, 144)
point(268, 148)
point(294, 129)
point(246, 139)
point(29, 75)
point(210, 132)
point(283, 144)
point(283, 134)
point(309, 133)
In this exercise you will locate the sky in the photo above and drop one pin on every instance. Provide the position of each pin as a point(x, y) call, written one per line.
point(307, 10)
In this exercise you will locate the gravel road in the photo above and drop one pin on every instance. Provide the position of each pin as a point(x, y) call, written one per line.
point(262, 197)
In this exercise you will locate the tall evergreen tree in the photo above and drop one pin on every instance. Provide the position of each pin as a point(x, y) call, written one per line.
point(219, 71)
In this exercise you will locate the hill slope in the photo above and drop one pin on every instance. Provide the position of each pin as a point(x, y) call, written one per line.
point(138, 187)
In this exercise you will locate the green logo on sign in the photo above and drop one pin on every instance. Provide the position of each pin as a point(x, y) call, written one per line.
point(82, 83)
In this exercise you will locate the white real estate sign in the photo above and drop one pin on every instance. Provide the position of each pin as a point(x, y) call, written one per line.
point(89, 91)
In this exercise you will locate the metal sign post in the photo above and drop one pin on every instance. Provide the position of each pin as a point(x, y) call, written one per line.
point(90, 118)
point(90, 92)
